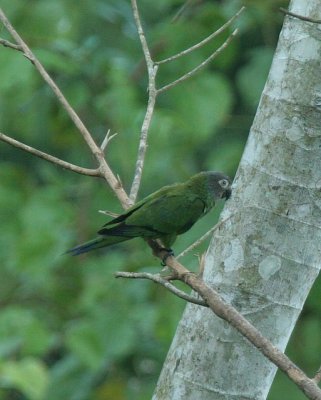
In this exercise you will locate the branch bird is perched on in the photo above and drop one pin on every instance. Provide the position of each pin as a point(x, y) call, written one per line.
point(164, 214)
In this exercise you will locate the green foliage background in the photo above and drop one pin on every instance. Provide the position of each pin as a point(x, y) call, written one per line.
point(68, 329)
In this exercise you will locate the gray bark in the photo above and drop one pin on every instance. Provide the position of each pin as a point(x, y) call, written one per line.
point(265, 259)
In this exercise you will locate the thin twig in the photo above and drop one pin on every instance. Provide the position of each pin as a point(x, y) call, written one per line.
point(182, 9)
point(109, 213)
point(203, 42)
point(105, 170)
point(292, 14)
point(143, 138)
point(158, 279)
point(200, 66)
point(120, 184)
point(202, 238)
point(107, 139)
point(141, 34)
point(152, 93)
point(201, 263)
point(13, 46)
point(50, 158)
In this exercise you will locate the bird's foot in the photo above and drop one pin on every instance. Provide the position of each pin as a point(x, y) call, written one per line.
point(169, 253)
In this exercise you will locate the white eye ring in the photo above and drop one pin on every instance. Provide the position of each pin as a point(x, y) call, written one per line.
point(224, 183)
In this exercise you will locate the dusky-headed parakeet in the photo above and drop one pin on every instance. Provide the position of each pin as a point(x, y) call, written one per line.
point(164, 214)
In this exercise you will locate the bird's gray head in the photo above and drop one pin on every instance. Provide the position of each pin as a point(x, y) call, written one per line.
point(219, 184)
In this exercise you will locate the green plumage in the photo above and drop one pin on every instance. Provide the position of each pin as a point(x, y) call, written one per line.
point(166, 213)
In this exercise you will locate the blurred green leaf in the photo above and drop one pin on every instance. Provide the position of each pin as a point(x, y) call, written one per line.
point(28, 375)
point(17, 70)
point(21, 331)
point(200, 106)
point(101, 340)
point(84, 341)
point(59, 62)
point(226, 157)
point(69, 380)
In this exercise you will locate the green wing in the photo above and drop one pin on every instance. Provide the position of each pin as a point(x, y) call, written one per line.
point(173, 213)
point(171, 210)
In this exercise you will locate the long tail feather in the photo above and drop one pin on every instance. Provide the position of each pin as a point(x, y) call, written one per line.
point(88, 246)
point(96, 243)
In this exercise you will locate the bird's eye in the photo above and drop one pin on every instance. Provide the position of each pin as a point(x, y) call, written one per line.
point(224, 183)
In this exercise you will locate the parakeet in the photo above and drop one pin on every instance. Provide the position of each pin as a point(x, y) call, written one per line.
point(164, 214)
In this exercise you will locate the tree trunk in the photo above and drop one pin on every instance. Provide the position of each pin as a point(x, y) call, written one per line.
point(266, 257)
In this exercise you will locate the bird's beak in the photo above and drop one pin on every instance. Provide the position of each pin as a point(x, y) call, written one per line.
point(227, 194)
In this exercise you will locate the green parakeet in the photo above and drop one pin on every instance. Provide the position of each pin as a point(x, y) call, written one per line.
point(164, 214)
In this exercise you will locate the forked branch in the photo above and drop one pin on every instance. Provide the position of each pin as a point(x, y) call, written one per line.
point(152, 93)
point(200, 66)
point(13, 46)
point(164, 282)
point(152, 68)
point(50, 158)
point(104, 169)
point(204, 41)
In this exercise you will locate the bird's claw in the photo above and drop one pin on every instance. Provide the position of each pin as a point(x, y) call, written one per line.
point(169, 253)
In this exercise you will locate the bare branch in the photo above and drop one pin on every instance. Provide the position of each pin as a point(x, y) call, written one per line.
point(141, 34)
point(302, 17)
point(200, 66)
point(152, 93)
point(13, 46)
point(158, 279)
point(105, 170)
point(234, 318)
point(143, 137)
point(203, 42)
point(50, 158)
point(202, 238)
